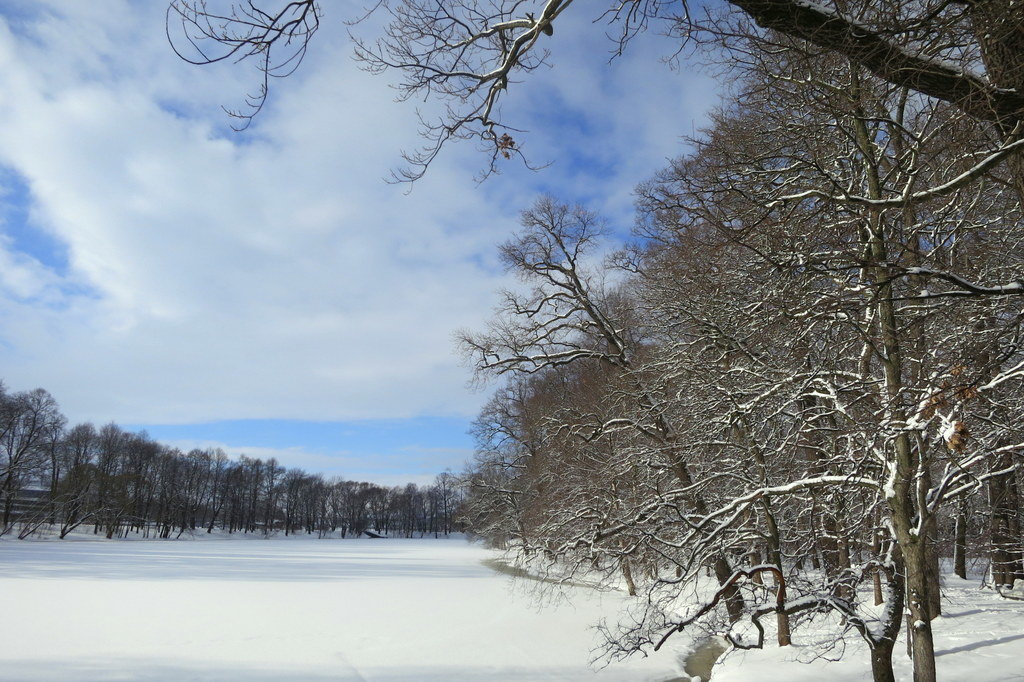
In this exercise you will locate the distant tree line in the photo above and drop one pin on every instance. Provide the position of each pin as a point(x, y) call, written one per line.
point(116, 482)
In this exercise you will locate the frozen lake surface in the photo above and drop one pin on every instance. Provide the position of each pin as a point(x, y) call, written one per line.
point(245, 608)
point(290, 609)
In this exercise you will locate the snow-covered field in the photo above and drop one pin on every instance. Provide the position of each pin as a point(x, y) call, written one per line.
point(289, 609)
point(399, 610)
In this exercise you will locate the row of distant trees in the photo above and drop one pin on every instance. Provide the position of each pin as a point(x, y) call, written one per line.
point(115, 482)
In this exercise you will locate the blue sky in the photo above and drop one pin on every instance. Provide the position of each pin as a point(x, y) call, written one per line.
point(386, 450)
point(267, 292)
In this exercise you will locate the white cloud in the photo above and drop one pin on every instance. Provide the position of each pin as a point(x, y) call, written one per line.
point(272, 274)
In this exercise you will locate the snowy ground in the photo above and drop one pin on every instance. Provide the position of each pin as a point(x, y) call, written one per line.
point(979, 638)
point(375, 610)
point(289, 609)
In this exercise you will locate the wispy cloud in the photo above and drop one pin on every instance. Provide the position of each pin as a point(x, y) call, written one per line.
point(273, 274)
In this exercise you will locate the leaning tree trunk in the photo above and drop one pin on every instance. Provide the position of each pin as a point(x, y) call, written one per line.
point(734, 604)
point(882, 645)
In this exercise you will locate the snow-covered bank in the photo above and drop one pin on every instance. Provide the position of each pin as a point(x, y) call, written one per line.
point(979, 638)
point(300, 609)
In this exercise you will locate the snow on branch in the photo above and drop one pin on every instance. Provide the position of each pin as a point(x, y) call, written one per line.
point(726, 589)
point(734, 509)
point(909, 198)
point(872, 50)
point(964, 287)
point(467, 53)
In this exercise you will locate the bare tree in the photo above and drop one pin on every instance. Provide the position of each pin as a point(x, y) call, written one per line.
point(274, 34)
point(468, 53)
point(27, 421)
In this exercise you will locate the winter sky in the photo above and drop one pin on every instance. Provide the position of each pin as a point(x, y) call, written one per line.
point(267, 292)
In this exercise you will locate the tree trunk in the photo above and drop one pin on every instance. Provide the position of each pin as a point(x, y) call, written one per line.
point(907, 459)
point(733, 598)
point(627, 574)
point(882, 644)
point(1005, 546)
point(876, 577)
point(1014, 525)
point(922, 641)
point(960, 543)
point(723, 571)
point(881, 661)
point(934, 578)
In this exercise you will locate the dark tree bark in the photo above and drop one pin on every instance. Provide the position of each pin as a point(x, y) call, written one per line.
point(878, 54)
point(960, 543)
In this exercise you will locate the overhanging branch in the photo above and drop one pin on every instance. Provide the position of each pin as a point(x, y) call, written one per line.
point(830, 30)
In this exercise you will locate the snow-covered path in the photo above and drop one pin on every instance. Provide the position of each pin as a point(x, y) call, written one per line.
point(288, 609)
